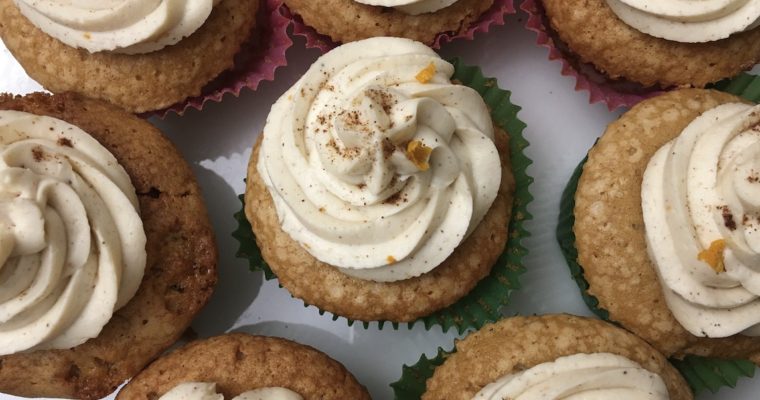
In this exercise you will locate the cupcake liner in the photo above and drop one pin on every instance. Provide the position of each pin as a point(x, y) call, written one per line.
point(484, 303)
point(702, 373)
point(746, 86)
point(253, 64)
point(614, 93)
point(493, 16)
point(412, 384)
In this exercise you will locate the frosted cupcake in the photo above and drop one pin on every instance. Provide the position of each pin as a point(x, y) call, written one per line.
point(547, 357)
point(139, 55)
point(674, 43)
point(105, 246)
point(380, 190)
point(429, 21)
point(244, 367)
point(665, 213)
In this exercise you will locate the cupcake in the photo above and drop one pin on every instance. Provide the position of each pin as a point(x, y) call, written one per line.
point(380, 190)
point(427, 21)
point(665, 224)
point(244, 367)
point(141, 57)
point(552, 357)
point(105, 246)
point(673, 43)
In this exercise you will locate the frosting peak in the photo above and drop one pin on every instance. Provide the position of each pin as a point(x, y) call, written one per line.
point(72, 245)
point(374, 171)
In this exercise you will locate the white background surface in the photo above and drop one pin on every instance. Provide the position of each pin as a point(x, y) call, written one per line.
point(216, 142)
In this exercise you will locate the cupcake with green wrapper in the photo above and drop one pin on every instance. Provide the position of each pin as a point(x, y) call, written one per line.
point(390, 185)
point(659, 223)
point(547, 357)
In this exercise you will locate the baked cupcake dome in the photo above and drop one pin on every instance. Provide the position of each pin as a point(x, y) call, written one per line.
point(240, 362)
point(135, 82)
point(348, 20)
point(517, 344)
point(594, 34)
point(180, 272)
point(609, 226)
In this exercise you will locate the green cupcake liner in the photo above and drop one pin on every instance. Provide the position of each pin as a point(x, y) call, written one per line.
point(412, 383)
point(701, 373)
point(484, 303)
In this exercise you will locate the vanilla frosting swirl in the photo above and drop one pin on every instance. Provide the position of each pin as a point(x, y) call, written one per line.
point(72, 245)
point(701, 190)
point(340, 159)
point(598, 376)
point(207, 391)
point(123, 26)
point(688, 21)
point(411, 7)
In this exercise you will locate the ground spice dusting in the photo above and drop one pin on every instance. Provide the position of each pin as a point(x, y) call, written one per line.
point(38, 154)
point(728, 218)
point(714, 256)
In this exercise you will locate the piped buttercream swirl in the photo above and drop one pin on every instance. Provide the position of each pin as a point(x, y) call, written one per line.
point(411, 7)
point(377, 163)
point(598, 376)
point(207, 391)
point(701, 204)
point(688, 21)
point(123, 26)
point(72, 245)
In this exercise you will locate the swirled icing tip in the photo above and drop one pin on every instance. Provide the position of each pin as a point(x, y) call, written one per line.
point(493, 17)
point(600, 88)
point(256, 62)
point(713, 256)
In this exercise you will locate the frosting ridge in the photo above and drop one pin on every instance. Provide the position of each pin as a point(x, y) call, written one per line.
point(375, 169)
point(72, 243)
point(701, 205)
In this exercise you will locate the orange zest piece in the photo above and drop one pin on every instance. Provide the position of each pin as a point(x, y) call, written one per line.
point(714, 256)
point(419, 154)
point(391, 260)
point(427, 74)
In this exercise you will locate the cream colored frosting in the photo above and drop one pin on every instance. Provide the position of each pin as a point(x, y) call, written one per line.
point(699, 191)
point(207, 391)
point(339, 159)
point(72, 245)
point(599, 376)
point(123, 26)
point(412, 7)
point(688, 21)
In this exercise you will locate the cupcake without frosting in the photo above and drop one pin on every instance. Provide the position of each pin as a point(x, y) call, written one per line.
point(105, 246)
point(380, 190)
point(140, 55)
